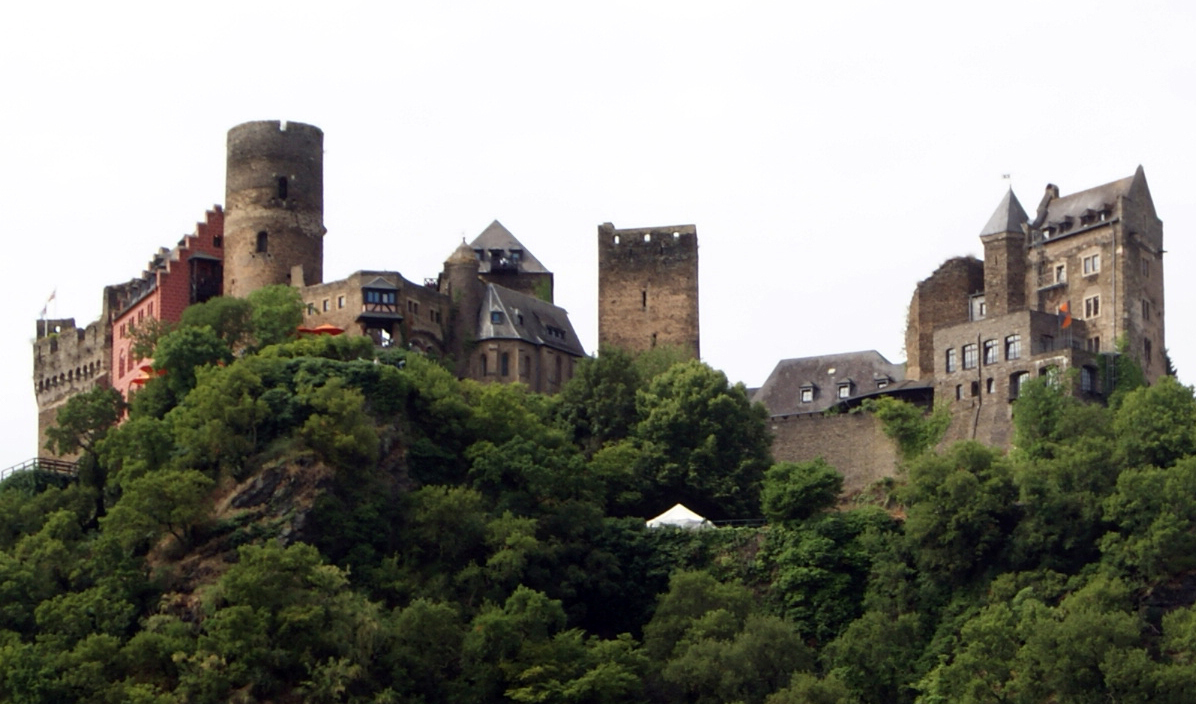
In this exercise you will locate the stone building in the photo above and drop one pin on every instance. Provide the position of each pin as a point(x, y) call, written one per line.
point(1060, 291)
point(1054, 293)
point(810, 402)
point(490, 310)
point(648, 287)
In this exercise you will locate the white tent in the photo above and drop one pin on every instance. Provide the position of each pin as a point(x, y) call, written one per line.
point(680, 517)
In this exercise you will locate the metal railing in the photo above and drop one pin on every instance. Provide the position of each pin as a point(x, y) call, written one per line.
point(41, 464)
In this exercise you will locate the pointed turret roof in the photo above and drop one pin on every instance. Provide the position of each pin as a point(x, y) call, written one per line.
point(1008, 216)
point(497, 237)
point(463, 254)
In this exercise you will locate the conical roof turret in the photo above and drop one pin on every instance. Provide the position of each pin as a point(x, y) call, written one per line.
point(1008, 216)
point(463, 254)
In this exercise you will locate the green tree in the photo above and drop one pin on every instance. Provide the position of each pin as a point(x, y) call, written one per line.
point(692, 596)
point(876, 656)
point(794, 491)
point(598, 403)
point(181, 352)
point(226, 316)
point(276, 314)
point(960, 510)
point(1156, 425)
point(84, 420)
point(909, 426)
point(1154, 521)
point(703, 443)
point(171, 501)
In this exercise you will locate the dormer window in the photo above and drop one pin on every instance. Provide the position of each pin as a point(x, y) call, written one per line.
point(845, 390)
point(807, 394)
point(495, 317)
point(516, 255)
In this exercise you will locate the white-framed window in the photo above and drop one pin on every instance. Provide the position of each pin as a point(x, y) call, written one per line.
point(990, 352)
point(844, 390)
point(950, 361)
point(807, 394)
point(971, 356)
point(1091, 264)
point(1092, 307)
point(1013, 347)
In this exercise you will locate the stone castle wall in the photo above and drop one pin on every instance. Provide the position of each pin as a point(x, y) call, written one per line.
point(852, 443)
point(940, 299)
point(648, 287)
point(66, 361)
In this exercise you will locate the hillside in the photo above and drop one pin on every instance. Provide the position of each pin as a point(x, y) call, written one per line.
point(318, 521)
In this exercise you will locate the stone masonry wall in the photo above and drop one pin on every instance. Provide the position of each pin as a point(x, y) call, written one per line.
point(66, 361)
point(274, 206)
point(852, 443)
point(939, 300)
point(648, 287)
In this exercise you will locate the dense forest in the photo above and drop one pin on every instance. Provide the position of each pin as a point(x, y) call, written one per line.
point(317, 520)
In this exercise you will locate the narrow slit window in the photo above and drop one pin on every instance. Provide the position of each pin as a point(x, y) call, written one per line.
point(282, 187)
point(263, 242)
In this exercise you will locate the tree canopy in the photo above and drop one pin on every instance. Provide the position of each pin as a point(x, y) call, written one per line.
point(316, 519)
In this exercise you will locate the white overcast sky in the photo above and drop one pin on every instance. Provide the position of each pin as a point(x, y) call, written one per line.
point(831, 154)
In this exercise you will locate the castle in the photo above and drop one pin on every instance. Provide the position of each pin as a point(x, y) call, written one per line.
point(1056, 292)
point(490, 310)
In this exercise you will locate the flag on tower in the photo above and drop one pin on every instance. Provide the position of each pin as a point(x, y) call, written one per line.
point(48, 301)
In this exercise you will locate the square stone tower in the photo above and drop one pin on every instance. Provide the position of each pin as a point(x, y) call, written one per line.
point(648, 287)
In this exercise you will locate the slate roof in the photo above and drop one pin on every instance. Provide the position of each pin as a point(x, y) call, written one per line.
point(526, 318)
point(497, 237)
point(1008, 217)
point(1094, 200)
point(781, 392)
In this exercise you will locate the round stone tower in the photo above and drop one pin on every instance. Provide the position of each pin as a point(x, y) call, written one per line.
point(274, 206)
